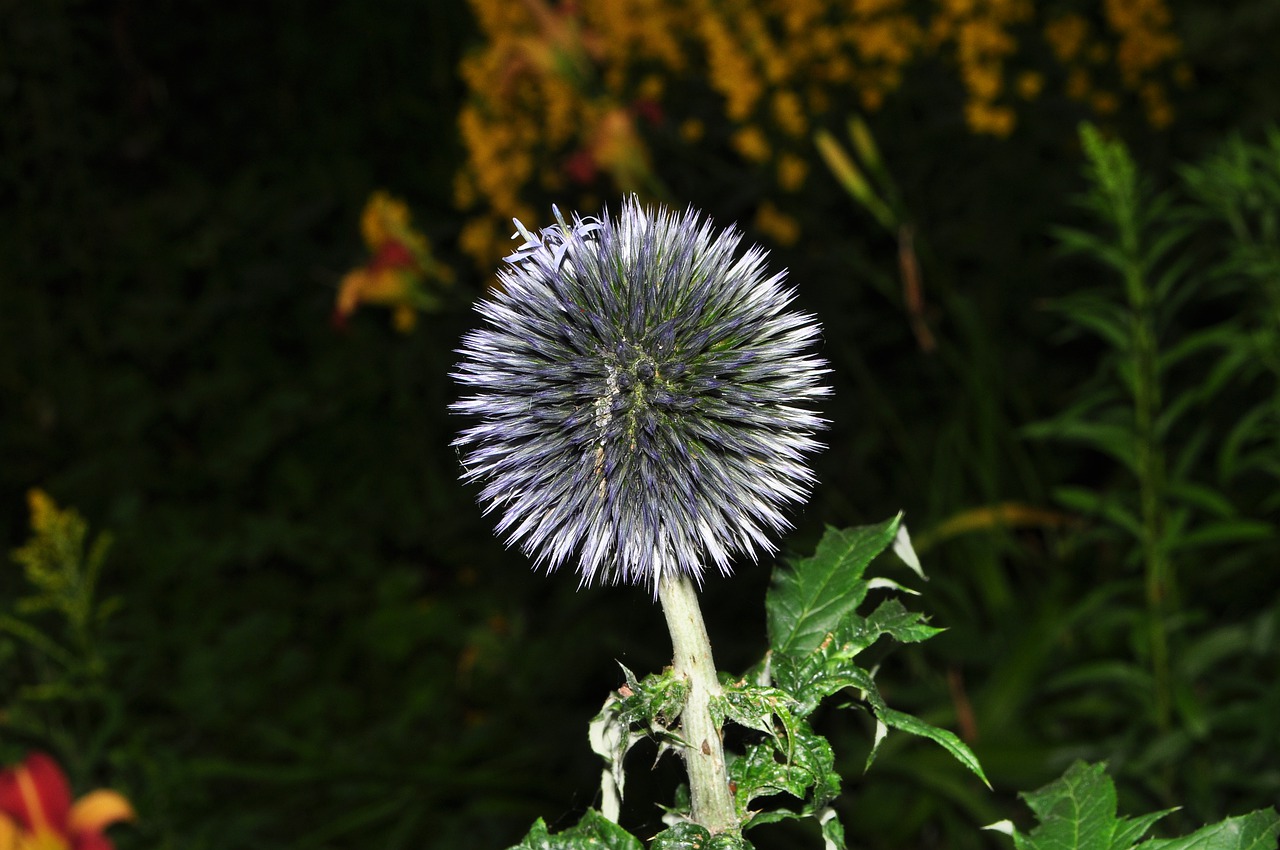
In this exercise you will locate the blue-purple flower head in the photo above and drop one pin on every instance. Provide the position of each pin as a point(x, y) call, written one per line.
point(643, 397)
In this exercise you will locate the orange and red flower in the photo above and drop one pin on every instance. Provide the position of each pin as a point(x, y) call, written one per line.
point(36, 812)
point(398, 272)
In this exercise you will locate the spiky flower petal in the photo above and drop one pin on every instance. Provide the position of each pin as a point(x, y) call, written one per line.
point(643, 395)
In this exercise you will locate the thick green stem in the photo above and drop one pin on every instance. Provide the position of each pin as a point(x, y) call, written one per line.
point(712, 804)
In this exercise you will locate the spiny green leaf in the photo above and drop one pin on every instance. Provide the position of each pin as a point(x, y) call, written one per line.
point(646, 707)
point(593, 832)
point(654, 701)
point(691, 836)
point(832, 830)
point(755, 707)
point(809, 600)
point(802, 766)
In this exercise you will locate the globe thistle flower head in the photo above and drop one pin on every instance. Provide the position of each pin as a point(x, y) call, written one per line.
point(643, 397)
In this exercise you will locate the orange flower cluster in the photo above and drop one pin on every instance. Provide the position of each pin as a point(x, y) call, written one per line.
point(980, 35)
point(1143, 47)
point(562, 93)
point(401, 271)
point(36, 812)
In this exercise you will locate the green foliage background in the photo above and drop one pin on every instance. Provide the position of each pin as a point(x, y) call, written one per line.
point(315, 641)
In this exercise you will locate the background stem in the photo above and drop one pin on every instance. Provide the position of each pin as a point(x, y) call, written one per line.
point(712, 804)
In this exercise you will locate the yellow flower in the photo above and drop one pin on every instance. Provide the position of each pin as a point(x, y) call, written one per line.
point(788, 113)
point(1066, 35)
point(752, 144)
point(792, 171)
point(1104, 102)
point(776, 224)
point(989, 119)
point(1029, 84)
point(44, 512)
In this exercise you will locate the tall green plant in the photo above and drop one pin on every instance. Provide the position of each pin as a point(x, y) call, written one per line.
point(1167, 361)
point(1237, 195)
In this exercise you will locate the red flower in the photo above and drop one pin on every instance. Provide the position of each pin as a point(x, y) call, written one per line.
point(36, 812)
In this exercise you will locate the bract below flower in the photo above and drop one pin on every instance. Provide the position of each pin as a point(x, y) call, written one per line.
point(36, 812)
point(644, 397)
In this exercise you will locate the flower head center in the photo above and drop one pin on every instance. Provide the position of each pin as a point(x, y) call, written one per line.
point(644, 371)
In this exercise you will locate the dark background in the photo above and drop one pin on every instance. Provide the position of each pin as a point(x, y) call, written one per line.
point(318, 641)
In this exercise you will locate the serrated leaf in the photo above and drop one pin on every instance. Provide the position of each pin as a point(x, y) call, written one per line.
point(816, 594)
point(1254, 831)
point(831, 666)
point(1130, 830)
point(817, 676)
point(593, 832)
point(1078, 812)
point(947, 740)
point(892, 619)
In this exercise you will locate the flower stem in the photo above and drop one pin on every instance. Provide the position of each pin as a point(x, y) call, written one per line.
point(712, 804)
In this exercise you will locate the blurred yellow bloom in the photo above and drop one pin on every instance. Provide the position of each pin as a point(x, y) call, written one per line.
point(1104, 102)
point(1066, 35)
point(792, 171)
point(401, 268)
point(1030, 84)
point(751, 143)
point(560, 90)
point(44, 512)
point(989, 119)
point(776, 224)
